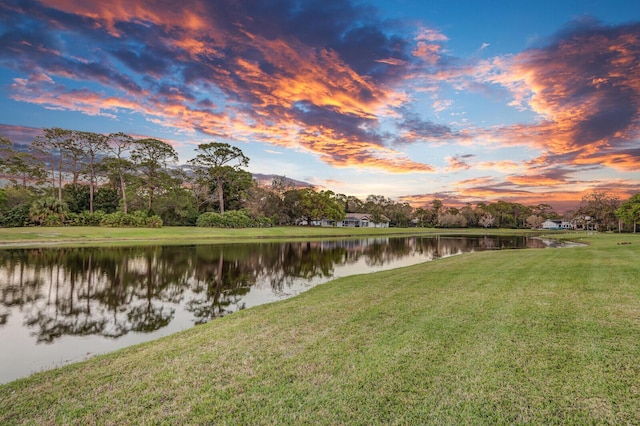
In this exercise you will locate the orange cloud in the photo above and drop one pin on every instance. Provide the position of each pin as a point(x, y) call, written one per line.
point(342, 152)
point(584, 88)
point(266, 107)
point(113, 11)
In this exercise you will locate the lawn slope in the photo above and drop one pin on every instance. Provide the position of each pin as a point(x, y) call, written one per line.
point(524, 336)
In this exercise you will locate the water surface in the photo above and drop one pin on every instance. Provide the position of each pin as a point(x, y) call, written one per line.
point(62, 305)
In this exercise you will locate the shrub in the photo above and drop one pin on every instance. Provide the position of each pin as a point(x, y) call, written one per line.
point(210, 220)
point(48, 211)
point(85, 218)
point(117, 220)
point(237, 219)
point(138, 219)
point(231, 219)
point(154, 221)
point(16, 216)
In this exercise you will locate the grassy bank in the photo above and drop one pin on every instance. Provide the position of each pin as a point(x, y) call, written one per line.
point(524, 336)
point(97, 236)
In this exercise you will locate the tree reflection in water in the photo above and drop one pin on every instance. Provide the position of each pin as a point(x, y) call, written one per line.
point(112, 292)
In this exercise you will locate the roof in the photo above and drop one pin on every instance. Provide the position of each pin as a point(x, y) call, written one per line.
point(367, 216)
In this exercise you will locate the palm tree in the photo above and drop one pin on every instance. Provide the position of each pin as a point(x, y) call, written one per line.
point(48, 211)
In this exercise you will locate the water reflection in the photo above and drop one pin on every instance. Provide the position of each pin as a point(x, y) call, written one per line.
point(57, 295)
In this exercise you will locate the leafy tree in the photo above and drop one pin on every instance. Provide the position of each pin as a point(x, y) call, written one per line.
point(280, 185)
point(503, 213)
point(437, 205)
point(20, 168)
point(328, 206)
point(236, 187)
point(23, 168)
point(151, 157)
point(452, 220)
point(76, 196)
point(5, 151)
point(215, 162)
point(292, 209)
point(629, 211)
point(601, 208)
point(307, 205)
point(469, 215)
point(119, 144)
point(377, 213)
point(106, 199)
point(75, 156)
point(534, 221)
point(92, 145)
point(350, 204)
point(315, 206)
point(399, 214)
point(52, 145)
point(545, 211)
point(423, 217)
point(263, 201)
point(176, 205)
point(18, 195)
point(487, 220)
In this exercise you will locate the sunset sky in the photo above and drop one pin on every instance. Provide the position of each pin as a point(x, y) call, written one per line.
point(464, 101)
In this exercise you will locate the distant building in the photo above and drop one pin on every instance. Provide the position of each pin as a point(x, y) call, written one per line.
point(554, 225)
point(352, 220)
point(363, 220)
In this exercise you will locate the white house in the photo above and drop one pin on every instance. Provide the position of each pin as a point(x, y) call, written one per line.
point(352, 220)
point(553, 225)
point(363, 220)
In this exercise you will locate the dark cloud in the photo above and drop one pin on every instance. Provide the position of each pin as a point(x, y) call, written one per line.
point(30, 45)
point(415, 129)
point(587, 78)
point(616, 111)
point(343, 125)
point(543, 177)
point(353, 30)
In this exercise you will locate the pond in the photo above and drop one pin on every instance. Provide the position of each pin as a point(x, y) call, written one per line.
point(62, 305)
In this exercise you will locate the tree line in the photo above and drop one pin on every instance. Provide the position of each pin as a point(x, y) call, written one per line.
point(69, 177)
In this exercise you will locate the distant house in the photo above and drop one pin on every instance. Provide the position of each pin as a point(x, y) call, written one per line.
point(554, 225)
point(352, 220)
point(363, 220)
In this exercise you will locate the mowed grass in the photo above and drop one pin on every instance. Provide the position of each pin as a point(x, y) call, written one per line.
point(101, 236)
point(508, 337)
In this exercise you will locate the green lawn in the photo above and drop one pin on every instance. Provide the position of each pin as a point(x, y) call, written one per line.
point(88, 235)
point(508, 337)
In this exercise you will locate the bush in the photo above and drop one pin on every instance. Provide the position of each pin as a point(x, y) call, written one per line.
point(117, 220)
point(138, 219)
point(210, 220)
point(15, 217)
point(231, 219)
point(85, 218)
point(237, 219)
point(48, 211)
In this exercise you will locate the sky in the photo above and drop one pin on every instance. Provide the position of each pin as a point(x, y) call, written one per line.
point(464, 101)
